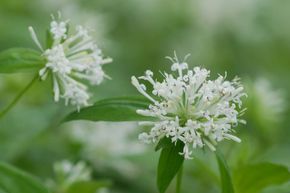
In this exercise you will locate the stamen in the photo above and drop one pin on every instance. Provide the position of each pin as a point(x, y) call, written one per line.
point(34, 38)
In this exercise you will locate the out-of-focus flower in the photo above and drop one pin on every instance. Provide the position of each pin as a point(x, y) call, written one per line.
point(212, 12)
point(67, 173)
point(72, 56)
point(107, 144)
point(269, 103)
point(97, 139)
point(190, 108)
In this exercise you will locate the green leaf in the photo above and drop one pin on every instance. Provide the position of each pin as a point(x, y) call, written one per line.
point(169, 164)
point(20, 60)
point(226, 180)
point(164, 142)
point(113, 109)
point(253, 178)
point(13, 180)
point(88, 186)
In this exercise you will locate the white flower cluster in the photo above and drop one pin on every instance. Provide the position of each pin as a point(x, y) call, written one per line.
point(96, 145)
point(190, 108)
point(72, 56)
point(73, 172)
point(67, 173)
point(270, 103)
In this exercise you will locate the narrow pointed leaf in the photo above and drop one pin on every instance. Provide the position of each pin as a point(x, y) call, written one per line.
point(164, 142)
point(12, 180)
point(169, 164)
point(226, 180)
point(20, 60)
point(113, 109)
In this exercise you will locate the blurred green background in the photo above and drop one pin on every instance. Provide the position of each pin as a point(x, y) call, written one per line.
point(249, 38)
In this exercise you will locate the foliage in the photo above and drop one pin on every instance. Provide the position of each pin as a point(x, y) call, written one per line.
point(20, 60)
point(114, 109)
point(245, 38)
point(12, 180)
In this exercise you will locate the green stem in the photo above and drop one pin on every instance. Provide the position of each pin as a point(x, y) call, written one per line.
point(16, 99)
point(179, 179)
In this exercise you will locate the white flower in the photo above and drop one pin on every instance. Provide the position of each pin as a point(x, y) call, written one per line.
point(95, 141)
point(72, 56)
point(270, 103)
point(58, 29)
point(66, 174)
point(190, 108)
point(73, 172)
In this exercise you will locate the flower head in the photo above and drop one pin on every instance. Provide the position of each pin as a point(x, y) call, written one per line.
point(270, 103)
point(67, 173)
point(190, 108)
point(72, 172)
point(93, 138)
point(72, 56)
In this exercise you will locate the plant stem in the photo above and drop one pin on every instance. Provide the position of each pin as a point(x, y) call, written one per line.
point(16, 99)
point(179, 179)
